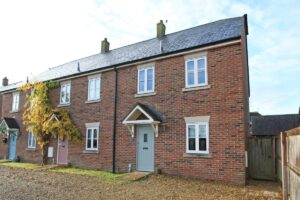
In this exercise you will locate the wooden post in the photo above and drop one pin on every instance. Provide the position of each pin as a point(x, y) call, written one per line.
point(283, 166)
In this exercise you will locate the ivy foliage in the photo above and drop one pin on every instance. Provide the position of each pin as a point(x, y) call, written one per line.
point(44, 121)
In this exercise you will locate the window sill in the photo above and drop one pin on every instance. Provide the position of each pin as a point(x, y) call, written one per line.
point(145, 94)
point(15, 111)
point(64, 105)
point(197, 155)
point(30, 149)
point(91, 151)
point(93, 101)
point(196, 88)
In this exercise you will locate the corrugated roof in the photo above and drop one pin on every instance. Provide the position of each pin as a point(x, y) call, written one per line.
point(273, 124)
point(203, 35)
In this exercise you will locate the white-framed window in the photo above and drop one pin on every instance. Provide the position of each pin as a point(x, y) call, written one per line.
point(65, 93)
point(146, 80)
point(92, 137)
point(94, 88)
point(15, 102)
point(197, 137)
point(31, 141)
point(196, 72)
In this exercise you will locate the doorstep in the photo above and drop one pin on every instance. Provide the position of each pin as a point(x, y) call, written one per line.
point(135, 176)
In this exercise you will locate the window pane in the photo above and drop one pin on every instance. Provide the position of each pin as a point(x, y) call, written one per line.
point(91, 89)
point(190, 73)
point(95, 133)
point(95, 141)
point(29, 139)
point(150, 74)
point(89, 145)
point(201, 77)
point(67, 93)
point(202, 144)
point(190, 66)
point(191, 131)
point(62, 94)
point(33, 140)
point(142, 75)
point(201, 71)
point(97, 88)
point(145, 137)
point(141, 80)
point(89, 133)
point(150, 79)
point(202, 131)
point(149, 85)
point(192, 144)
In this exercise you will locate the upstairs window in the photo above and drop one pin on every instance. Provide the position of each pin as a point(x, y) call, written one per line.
point(196, 72)
point(94, 88)
point(65, 93)
point(31, 141)
point(146, 80)
point(197, 137)
point(15, 102)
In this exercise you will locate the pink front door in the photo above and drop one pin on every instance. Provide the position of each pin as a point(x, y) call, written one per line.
point(62, 152)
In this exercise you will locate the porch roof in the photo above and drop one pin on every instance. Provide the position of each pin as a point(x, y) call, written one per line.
point(142, 113)
point(11, 123)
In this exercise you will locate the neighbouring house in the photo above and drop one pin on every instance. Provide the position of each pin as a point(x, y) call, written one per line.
point(264, 143)
point(175, 104)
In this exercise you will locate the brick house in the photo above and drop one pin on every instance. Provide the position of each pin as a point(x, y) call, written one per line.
point(175, 104)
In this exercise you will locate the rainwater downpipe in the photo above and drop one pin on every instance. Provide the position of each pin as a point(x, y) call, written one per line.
point(115, 122)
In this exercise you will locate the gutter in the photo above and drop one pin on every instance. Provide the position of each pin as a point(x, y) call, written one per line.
point(115, 122)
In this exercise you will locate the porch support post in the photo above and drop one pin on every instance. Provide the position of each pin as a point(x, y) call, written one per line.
point(131, 129)
point(155, 129)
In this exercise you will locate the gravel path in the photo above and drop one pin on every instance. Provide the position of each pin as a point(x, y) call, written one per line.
point(26, 184)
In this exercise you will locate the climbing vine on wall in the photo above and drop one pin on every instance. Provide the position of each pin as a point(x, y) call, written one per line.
point(44, 121)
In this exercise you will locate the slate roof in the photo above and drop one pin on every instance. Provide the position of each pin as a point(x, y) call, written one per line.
point(273, 124)
point(152, 112)
point(11, 123)
point(156, 116)
point(199, 36)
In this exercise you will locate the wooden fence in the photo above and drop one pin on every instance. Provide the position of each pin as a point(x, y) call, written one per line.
point(290, 157)
point(262, 157)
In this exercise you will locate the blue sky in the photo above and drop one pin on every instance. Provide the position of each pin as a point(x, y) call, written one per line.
point(36, 35)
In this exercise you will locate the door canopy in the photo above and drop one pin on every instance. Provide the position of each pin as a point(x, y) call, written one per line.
point(7, 125)
point(142, 114)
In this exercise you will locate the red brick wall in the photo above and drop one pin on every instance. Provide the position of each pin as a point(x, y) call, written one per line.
point(83, 113)
point(22, 151)
point(223, 102)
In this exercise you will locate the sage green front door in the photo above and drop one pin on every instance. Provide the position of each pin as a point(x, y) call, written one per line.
point(145, 149)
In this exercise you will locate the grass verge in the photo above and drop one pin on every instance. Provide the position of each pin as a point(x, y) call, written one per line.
point(95, 173)
point(20, 165)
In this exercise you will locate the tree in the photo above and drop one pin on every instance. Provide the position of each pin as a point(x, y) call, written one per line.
point(42, 120)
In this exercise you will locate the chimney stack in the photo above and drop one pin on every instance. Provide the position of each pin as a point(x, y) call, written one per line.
point(161, 29)
point(104, 46)
point(5, 81)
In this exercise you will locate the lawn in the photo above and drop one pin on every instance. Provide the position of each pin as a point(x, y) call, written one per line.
point(19, 165)
point(95, 173)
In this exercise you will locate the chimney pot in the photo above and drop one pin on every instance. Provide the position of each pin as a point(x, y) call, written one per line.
point(161, 29)
point(5, 81)
point(104, 46)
